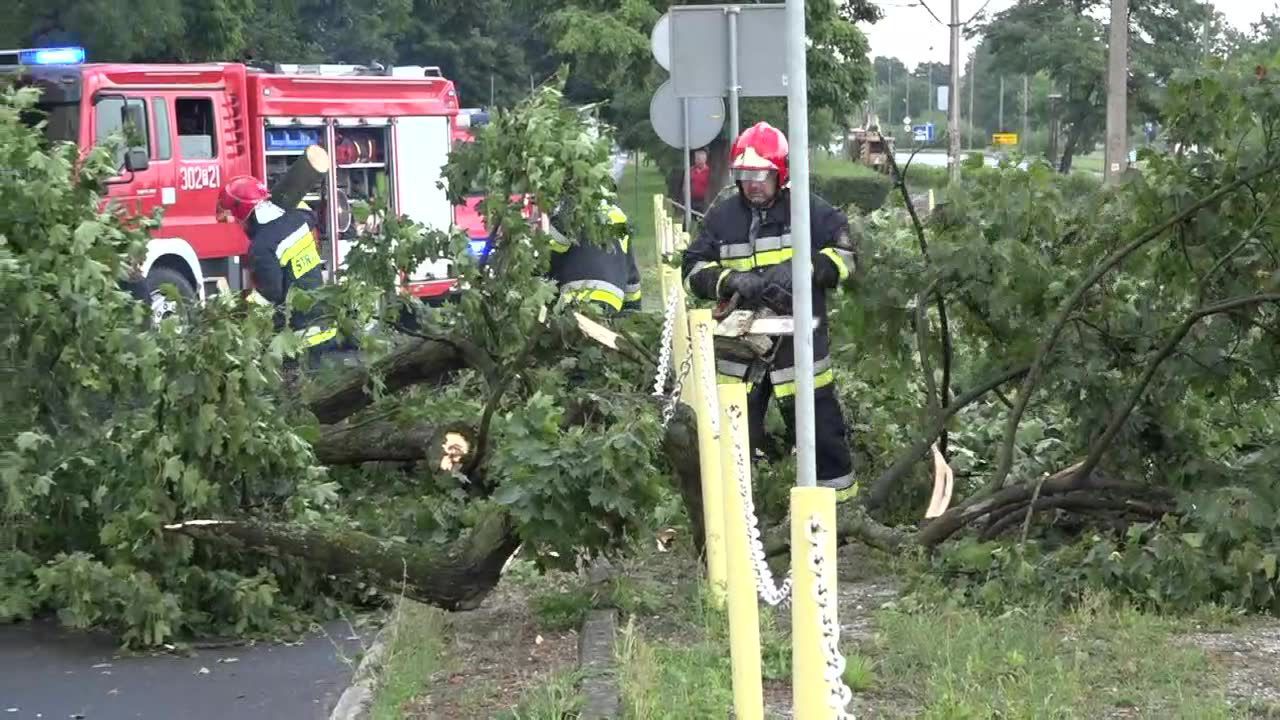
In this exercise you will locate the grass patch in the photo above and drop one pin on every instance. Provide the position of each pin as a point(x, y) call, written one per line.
point(557, 699)
point(636, 189)
point(414, 653)
point(1031, 663)
point(834, 166)
point(565, 605)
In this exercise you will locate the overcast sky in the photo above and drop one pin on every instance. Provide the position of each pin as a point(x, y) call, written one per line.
point(909, 33)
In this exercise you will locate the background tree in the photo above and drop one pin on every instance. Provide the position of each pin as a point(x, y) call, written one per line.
point(1066, 40)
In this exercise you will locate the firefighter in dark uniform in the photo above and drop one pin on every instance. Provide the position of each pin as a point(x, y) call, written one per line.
point(586, 272)
point(283, 254)
point(744, 250)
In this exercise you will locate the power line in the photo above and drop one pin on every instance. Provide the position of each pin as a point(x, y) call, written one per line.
point(923, 4)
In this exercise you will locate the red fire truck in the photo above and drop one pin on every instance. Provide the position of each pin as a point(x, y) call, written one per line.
point(201, 124)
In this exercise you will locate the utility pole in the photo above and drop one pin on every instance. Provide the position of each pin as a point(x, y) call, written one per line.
point(973, 81)
point(1117, 157)
point(1208, 16)
point(932, 92)
point(1001, 121)
point(888, 115)
point(908, 94)
point(953, 104)
point(1026, 126)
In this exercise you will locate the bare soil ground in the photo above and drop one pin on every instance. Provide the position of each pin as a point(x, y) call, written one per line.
point(494, 655)
point(1250, 657)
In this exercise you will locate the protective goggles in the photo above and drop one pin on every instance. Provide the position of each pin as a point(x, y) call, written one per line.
point(753, 175)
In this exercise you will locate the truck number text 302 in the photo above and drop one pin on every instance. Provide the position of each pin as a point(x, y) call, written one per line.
point(200, 177)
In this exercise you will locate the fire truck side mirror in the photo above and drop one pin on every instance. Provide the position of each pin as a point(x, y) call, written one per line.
point(136, 160)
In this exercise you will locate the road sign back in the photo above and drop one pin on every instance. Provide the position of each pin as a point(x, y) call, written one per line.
point(700, 50)
point(706, 117)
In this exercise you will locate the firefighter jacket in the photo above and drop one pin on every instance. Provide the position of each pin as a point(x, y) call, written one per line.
point(585, 271)
point(738, 237)
point(283, 254)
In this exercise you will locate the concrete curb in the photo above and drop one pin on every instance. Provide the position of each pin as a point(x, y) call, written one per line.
point(353, 704)
point(602, 699)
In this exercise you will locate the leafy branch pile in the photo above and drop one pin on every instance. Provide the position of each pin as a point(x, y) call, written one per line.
point(182, 479)
point(1102, 376)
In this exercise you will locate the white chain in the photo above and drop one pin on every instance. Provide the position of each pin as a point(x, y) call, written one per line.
point(769, 591)
point(824, 593)
point(670, 409)
point(666, 343)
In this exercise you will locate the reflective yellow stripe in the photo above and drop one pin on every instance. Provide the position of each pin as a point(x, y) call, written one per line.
point(625, 242)
point(313, 339)
point(841, 268)
point(633, 296)
point(760, 259)
point(603, 296)
point(302, 256)
point(720, 279)
point(722, 379)
point(788, 389)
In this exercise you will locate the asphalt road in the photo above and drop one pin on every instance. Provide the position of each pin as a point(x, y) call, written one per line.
point(47, 671)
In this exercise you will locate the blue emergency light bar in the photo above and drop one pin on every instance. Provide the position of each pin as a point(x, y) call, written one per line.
point(52, 56)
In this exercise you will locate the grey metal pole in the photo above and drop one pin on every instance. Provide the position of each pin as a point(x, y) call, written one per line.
point(953, 103)
point(888, 116)
point(973, 81)
point(688, 192)
point(1026, 126)
point(801, 262)
point(1001, 122)
point(1117, 91)
point(734, 87)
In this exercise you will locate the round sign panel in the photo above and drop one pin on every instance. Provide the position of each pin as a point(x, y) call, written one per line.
point(706, 118)
point(660, 41)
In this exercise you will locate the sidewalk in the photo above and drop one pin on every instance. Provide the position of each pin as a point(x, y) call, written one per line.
point(47, 671)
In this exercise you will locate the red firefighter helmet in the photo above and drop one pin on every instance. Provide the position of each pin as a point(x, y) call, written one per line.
point(241, 195)
point(760, 148)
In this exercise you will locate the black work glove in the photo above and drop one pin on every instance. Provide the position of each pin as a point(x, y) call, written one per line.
point(747, 285)
point(778, 277)
point(825, 273)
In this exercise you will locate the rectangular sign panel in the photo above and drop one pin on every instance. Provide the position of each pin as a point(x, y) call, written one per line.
point(700, 50)
point(1004, 139)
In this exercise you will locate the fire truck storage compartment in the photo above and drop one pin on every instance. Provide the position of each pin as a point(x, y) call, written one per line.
point(361, 157)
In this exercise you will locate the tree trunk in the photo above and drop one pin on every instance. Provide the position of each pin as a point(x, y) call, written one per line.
point(352, 443)
point(680, 445)
point(415, 362)
point(454, 577)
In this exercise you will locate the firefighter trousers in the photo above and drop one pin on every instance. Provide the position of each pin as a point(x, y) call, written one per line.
point(835, 463)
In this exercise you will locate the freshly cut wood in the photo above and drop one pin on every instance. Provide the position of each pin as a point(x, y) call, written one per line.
point(302, 176)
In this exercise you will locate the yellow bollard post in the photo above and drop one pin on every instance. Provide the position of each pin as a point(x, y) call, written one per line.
point(680, 339)
point(811, 693)
point(707, 403)
point(744, 612)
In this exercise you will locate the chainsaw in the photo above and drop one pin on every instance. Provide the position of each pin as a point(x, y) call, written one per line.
point(748, 336)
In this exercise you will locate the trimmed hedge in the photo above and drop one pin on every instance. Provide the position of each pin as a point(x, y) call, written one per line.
point(866, 192)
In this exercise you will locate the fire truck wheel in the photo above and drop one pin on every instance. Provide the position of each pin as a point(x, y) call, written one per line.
point(161, 306)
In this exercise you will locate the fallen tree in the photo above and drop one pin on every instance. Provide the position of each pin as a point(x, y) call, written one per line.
point(229, 493)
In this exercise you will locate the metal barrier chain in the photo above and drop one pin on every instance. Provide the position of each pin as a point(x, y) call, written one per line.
point(825, 595)
point(670, 409)
point(664, 352)
point(769, 591)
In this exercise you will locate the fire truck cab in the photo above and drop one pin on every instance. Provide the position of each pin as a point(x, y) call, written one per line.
point(192, 127)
